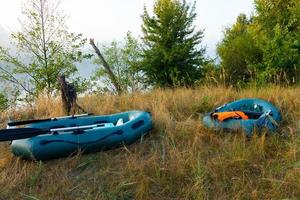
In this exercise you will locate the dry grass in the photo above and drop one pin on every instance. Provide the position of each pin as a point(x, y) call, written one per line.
point(180, 159)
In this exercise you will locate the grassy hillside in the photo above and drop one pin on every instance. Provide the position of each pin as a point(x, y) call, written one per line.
point(180, 159)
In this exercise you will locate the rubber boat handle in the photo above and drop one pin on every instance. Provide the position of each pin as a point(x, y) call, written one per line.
point(22, 133)
point(31, 121)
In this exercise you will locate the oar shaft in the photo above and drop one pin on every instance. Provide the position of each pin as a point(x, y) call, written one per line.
point(76, 128)
point(22, 133)
point(18, 123)
point(71, 116)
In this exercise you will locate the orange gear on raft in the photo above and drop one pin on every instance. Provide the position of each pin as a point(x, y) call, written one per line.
point(222, 116)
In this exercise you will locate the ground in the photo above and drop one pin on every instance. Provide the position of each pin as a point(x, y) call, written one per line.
point(179, 159)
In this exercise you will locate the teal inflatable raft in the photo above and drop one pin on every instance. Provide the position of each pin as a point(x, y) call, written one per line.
point(262, 116)
point(53, 138)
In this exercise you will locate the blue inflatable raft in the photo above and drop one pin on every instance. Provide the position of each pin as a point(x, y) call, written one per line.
point(53, 138)
point(263, 116)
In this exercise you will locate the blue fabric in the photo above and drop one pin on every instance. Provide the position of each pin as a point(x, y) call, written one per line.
point(43, 147)
point(264, 122)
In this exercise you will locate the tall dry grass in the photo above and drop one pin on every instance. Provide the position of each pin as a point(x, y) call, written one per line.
point(180, 159)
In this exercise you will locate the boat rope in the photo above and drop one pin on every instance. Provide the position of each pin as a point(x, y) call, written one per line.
point(273, 121)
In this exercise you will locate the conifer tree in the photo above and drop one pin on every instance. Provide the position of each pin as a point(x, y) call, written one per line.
point(172, 55)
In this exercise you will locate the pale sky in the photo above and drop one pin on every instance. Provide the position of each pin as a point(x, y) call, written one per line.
point(108, 20)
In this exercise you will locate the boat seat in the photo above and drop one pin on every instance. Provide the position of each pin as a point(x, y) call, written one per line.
point(105, 125)
point(109, 125)
point(120, 122)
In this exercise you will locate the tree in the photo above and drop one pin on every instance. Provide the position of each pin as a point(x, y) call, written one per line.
point(238, 52)
point(130, 53)
point(265, 47)
point(45, 49)
point(123, 59)
point(107, 69)
point(172, 55)
point(277, 32)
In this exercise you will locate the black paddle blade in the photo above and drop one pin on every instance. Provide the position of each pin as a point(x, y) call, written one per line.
point(20, 133)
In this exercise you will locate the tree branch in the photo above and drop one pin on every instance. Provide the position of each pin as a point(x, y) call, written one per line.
point(107, 68)
point(15, 80)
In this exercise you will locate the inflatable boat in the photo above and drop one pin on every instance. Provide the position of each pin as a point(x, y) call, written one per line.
point(247, 115)
point(52, 138)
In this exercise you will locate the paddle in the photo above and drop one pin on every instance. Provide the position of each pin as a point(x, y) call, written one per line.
point(18, 123)
point(22, 133)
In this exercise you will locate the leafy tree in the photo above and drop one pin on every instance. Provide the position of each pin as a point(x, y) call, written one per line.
point(123, 59)
point(45, 49)
point(131, 54)
point(277, 28)
point(266, 47)
point(172, 54)
point(238, 52)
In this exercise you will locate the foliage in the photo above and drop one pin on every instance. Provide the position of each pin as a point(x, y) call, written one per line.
point(45, 49)
point(266, 47)
point(278, 29)
point(3, 102)
point(82, 85)
point(172, 55)
point(239, 52)
point(123, 59)
point(213, 74)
